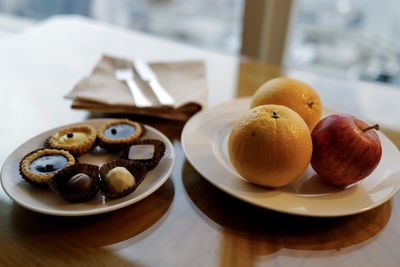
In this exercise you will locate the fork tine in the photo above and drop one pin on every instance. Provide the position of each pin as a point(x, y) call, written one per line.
point(126, 75)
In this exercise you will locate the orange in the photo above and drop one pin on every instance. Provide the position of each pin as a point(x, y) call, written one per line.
point(270, 145)
point(292, 93)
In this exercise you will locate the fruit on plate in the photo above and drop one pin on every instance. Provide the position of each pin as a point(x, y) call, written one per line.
point(292, 93)
point(345, 149)
point(270, 145)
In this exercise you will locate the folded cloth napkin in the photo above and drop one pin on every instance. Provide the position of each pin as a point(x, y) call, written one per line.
point(102, 92)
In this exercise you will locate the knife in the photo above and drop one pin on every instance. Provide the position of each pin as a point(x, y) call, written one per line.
point(148, 76)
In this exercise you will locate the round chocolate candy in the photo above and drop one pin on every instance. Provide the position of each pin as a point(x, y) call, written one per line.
point(79, 183)
point(119, 179)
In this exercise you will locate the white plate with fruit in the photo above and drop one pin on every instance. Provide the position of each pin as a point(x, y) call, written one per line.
point(373, 179)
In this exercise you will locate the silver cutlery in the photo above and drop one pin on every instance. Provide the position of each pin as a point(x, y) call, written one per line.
point(148, 76)
point(126, 75)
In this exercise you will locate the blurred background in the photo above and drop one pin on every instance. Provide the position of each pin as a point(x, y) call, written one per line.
point(346, 38)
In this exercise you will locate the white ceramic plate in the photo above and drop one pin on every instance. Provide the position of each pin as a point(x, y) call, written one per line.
point(47, 202)
point(204, 141)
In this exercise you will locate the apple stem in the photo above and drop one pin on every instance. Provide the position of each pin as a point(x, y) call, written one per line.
point(375, 126)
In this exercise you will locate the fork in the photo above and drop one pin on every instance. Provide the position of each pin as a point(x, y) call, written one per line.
point(126, 75)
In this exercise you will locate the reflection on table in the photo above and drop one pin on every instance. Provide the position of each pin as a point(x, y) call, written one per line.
point(187, 222)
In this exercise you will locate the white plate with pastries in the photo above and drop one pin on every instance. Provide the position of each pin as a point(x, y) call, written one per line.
point(204, 141)
point(43, 200)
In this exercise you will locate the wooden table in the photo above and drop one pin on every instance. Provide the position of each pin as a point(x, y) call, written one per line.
point(187, 222)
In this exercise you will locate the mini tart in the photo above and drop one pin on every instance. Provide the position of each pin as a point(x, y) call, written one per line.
point(116, 134)
point(59, 182)
point(138, 171)
point(78, 140)
point(39, 166)
point(141, 153)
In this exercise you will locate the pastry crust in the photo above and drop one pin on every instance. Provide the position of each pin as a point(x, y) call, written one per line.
point(42, 178)
point(117, 143)
point(78, 140)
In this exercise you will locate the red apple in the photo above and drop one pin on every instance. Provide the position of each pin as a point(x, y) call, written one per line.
point(345, 149)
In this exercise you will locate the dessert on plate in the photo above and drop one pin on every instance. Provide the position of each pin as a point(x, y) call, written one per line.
point(76, 183)
point(146, 151)
point(115, 134)
point(78, 140)
point(39, 166)
point(120, 178)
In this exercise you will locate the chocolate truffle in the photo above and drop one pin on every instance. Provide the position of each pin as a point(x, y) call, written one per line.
point(79, 183)
point(119, 179)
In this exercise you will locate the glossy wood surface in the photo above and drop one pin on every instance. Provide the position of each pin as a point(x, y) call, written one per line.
point(188, 222)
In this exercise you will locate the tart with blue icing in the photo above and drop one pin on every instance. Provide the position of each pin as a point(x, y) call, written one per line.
point(39, 166)
point(116, 134)
point(77, 140)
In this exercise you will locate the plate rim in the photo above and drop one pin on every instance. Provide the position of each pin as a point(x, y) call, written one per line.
point(92, 211)
point(225, 188)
